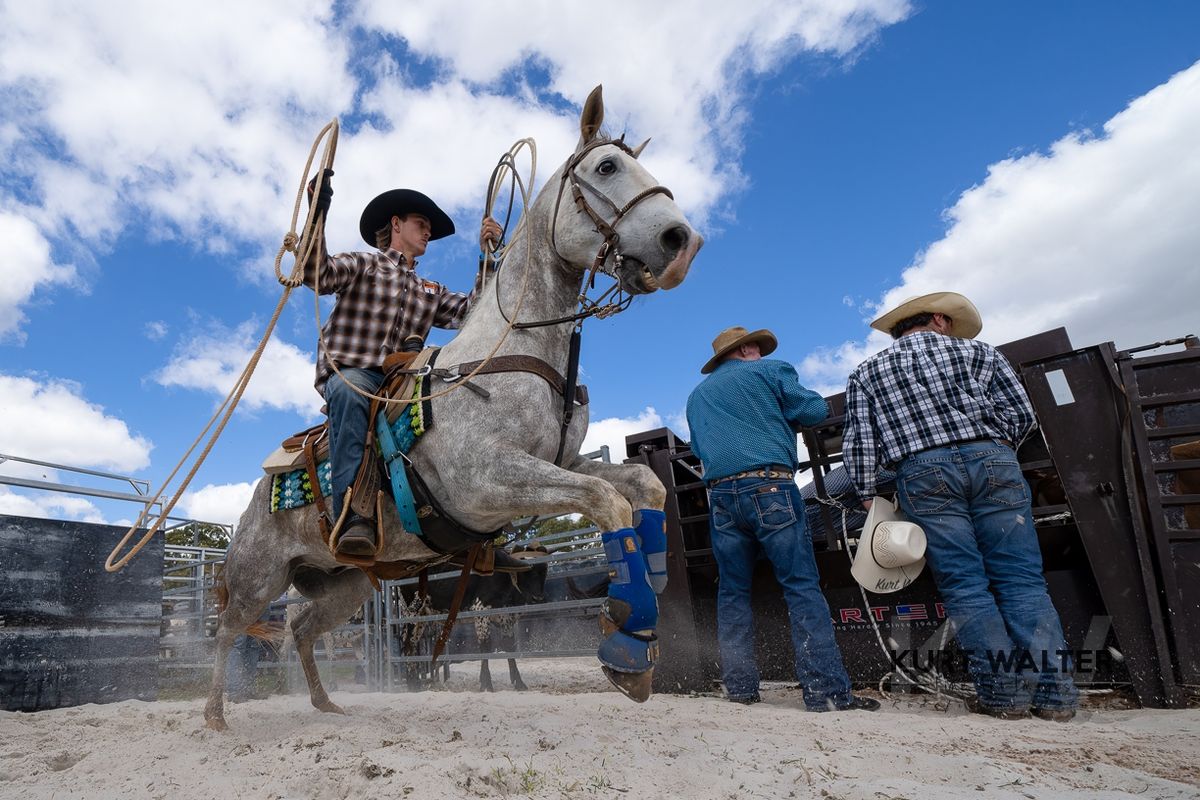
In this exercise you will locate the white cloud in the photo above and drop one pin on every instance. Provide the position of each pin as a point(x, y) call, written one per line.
point(189, 113)
point(222, 503)
point(1099, 235)
point(678, 423)
point(48, 506)
point(654, 82)
point(825, 371)
point(156, 329)
point(25, 266)
point(194, 121)
point(52, 421)
point(187, 121)
point(214, 360)
point(613, 430)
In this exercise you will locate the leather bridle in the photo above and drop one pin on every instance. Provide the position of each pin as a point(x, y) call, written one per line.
point(605, 228)
point(609, 248)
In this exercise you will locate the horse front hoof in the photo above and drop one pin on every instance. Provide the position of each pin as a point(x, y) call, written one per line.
point(330, 707)
point(216, 723)
point(634, 685)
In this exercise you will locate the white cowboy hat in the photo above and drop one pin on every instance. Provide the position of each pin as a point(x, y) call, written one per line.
point(965, 316)
point(891, 550)
point(731, 338)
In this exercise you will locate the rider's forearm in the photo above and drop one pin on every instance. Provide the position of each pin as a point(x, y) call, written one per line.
point(335, 272)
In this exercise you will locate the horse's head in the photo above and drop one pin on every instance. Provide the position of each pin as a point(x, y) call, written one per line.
point(611, 213)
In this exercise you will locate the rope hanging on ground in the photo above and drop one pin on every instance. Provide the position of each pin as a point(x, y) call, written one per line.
point(302, 247)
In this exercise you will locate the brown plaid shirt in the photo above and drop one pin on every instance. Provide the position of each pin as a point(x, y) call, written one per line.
point(381, 300)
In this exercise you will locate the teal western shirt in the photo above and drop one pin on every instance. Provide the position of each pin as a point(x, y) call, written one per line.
point(744, 415)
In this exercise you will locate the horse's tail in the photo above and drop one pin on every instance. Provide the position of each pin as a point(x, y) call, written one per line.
point(221, 590)
point(267, 632)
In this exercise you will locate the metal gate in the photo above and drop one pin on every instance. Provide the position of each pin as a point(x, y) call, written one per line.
point(187, 642)
point(562, 626)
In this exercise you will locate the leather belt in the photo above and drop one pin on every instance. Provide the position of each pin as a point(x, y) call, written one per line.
point(993, 439)
point(771, 473)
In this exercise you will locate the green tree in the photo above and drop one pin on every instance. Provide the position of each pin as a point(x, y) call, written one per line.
point(563, 524)
point(199, 534)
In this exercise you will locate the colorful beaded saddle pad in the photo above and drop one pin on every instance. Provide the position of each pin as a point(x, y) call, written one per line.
point(293, 488)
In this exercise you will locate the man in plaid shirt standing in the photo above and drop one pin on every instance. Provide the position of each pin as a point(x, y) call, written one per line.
point(381, 301)
point(945, 411)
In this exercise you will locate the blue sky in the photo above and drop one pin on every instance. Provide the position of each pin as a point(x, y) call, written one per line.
point(1041, 158)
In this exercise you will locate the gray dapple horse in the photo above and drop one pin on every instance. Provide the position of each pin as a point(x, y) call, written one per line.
point(490, 461)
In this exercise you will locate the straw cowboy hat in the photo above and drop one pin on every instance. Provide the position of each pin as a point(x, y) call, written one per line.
point(966, 321)
point(731, 339)
point(891, 550)
point(399, 203)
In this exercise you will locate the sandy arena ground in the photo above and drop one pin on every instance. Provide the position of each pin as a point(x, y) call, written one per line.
point(571, 736)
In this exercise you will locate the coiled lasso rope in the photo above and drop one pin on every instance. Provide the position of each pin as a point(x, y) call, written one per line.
point(302, 247)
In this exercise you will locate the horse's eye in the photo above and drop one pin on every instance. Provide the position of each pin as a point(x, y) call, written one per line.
point(606, 167)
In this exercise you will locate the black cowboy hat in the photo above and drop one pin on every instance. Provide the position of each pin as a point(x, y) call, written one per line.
point(399, 203)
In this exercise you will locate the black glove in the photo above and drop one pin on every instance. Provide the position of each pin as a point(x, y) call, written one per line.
point(323, 199)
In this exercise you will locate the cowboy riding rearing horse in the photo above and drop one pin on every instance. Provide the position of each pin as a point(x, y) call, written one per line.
point(383, 305)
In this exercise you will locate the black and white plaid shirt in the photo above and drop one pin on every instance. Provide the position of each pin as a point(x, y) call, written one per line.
point(381, 300)
point(928, 390)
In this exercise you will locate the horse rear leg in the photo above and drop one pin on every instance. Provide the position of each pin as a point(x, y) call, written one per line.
point(214, 709)
point(335, 598)
point(245, 605)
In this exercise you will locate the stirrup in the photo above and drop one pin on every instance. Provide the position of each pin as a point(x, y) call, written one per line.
point(336, 533)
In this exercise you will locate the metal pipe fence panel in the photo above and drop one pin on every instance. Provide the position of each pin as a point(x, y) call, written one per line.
point(560, 626)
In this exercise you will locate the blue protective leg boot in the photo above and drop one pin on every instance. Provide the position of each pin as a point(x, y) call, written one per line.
point(651, 528)
point(629, 617)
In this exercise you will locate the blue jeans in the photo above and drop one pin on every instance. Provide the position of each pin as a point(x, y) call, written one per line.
point(348, 425)
point(974, 506)
point(241, 670)
point(752, 513)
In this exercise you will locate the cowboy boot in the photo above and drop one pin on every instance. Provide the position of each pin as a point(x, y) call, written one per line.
point(357, 537)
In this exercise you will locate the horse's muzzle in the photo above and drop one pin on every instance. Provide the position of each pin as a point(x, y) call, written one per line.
point(674, 273)
point(636, 277)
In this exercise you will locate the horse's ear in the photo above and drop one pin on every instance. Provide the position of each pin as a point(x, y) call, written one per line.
point(592, 117)
point(637, 151)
